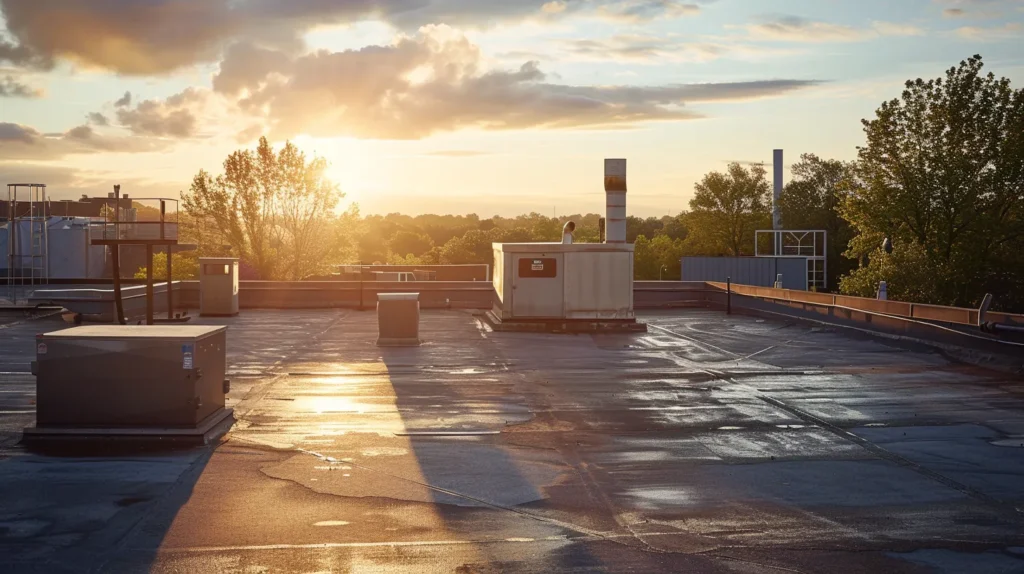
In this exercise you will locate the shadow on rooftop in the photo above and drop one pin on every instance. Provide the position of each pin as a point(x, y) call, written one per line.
point(79, 507)
point(447, 386)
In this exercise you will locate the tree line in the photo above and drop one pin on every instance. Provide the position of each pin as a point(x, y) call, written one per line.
point(940, 175)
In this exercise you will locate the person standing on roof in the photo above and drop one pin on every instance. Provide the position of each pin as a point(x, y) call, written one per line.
point(567, 232)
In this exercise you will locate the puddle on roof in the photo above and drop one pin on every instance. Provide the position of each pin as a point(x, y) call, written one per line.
point(383, 451)
point(1009, 442)
point(658, 497)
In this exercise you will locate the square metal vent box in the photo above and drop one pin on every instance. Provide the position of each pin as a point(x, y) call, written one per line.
point(110, 376)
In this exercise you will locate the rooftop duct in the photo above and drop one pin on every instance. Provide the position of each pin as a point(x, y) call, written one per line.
point(615, 196)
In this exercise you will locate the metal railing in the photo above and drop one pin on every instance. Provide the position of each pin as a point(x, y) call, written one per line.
point(921, 311)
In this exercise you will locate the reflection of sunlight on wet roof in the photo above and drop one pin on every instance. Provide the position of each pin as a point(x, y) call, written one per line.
point(321, 405)
point(659, 497)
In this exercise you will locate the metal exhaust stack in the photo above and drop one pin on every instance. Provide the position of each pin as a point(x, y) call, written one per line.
point(776, 200)
point(615, 195)
point(776, 210)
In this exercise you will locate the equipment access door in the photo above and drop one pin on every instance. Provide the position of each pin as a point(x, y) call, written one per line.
point(538, 286)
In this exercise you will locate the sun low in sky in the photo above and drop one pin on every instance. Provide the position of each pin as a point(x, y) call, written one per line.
point(457, 106)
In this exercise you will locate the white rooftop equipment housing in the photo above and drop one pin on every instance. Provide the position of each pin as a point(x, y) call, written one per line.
point(571, 286)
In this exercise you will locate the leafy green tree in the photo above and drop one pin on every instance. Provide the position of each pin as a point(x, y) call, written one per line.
point(907, 272)
point(184, 266)
point(587, 233)
point(547, 229)
point(942, 174)
point(636, 226)
point(407, 242)
point(275, 210)
point(727, 209)
point(473, 247)
point(674, 227)
point(657, 258)
point(811, 201)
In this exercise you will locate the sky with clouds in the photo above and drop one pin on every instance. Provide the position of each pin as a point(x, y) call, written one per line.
point(458, 106)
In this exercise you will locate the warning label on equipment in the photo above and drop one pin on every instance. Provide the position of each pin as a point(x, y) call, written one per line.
point(186, 356)
point(537, 265)
point(41, 349)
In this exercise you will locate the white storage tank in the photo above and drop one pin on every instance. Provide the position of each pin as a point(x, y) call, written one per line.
point(71, 254)
point(218, 286)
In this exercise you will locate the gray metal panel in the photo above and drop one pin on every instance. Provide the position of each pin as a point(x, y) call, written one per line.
point(794, 272)
point(127, 376)
point(218, 293)
point(599, 285)
point(538, 297)
point(398, 319)
point(757, 271)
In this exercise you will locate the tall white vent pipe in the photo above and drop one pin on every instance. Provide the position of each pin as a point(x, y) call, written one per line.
point(615, 200)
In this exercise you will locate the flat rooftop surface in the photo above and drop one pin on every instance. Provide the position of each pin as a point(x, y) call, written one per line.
point(713, 443)
point(159, 332)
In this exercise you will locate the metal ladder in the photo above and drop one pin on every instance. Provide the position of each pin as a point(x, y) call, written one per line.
point(27, 268)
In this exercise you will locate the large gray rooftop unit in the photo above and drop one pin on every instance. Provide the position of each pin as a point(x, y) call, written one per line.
point(163, 381)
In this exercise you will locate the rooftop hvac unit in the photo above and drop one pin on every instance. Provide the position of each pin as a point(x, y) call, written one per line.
point(112, 380)
point(570, 286)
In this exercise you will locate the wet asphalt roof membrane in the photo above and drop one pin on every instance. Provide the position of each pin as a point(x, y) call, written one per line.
point(712, 443)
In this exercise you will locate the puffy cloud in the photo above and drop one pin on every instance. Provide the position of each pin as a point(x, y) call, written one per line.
point(643, 49)
point(124, 35)
point(1007, 31)
point(797, 29)
point(244, 61)
point(158, 36)
point(125, 100)
point(64, 182)
point(12, 88)
point(23, 142)
point(978, 9)
point(96, 118)
point(172, 117)
point(643, 10)
point(434, 82)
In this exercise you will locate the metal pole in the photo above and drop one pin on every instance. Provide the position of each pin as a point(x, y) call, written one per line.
point(824, 252)
point(10, 244)
point(170, 291)
point(170, 285)
point(116, 256)
point(14, 248)
point(46, 237)
point(728, 295)
point(149, 284)
point(31, 238)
